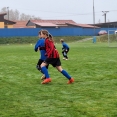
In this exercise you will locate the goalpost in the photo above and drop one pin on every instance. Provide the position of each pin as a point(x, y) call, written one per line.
point(112, 38)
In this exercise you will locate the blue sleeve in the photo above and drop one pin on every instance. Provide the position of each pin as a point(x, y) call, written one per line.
point(65, 46)
point(38, 44)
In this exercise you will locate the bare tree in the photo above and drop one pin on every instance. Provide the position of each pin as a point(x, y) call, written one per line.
point(11, 15)
point(4, 10)
point(15, 15)
point(24, 17)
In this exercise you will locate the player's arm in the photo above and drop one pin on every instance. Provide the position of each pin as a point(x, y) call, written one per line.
point(37, 45)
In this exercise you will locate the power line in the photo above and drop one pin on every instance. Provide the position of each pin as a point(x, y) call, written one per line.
point(90, 13)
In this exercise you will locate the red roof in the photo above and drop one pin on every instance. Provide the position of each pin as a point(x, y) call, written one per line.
point(82, 25)
point(46, 24)
point(20, 24)
point(53, 21)
point(86, 26)
point(50, 23)
point(59, 23)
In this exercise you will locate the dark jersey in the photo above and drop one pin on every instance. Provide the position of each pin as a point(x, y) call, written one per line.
point(51, 50)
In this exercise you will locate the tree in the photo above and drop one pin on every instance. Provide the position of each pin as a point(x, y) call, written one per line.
point(4, 10)
point(15, 15)
point(24, 17)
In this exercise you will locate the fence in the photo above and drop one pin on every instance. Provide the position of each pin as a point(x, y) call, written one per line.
point(107, 29)
point(62, 31)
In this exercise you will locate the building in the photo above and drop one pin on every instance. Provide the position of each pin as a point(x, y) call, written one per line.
point(5, 23)
point(106, 25)
point(20, 24)
point(55, 24)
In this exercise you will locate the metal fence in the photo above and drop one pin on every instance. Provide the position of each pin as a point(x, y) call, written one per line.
point(62, 31)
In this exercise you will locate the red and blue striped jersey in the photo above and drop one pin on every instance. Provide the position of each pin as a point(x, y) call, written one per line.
point(51, 50)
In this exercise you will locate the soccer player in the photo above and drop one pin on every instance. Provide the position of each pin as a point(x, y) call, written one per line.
point(40, 46)
point(65, 49)
point(52, 58)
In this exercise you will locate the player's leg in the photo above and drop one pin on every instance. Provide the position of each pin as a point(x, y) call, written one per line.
point(64, 72)
point(38, 66)
point(66, 52)
point(63, 54)
point(44, 77)
point(45, 71)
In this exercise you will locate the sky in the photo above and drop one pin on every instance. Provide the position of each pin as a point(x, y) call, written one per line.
point(80, 11)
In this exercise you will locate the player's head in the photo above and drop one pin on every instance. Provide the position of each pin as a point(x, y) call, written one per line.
point(50, 37)
point(61, 40)
point(44, 33)
point(39, 34)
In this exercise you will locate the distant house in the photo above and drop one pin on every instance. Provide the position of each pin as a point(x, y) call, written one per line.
point(106, 25)
point(55, 24)
point(4, 23)
point(20, 24)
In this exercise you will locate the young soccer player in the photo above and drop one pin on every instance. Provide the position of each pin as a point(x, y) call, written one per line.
point(40, 45)
point(65, 49)
point(52, 58)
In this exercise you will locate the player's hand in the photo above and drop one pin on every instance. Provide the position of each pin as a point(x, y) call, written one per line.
point(38, 49)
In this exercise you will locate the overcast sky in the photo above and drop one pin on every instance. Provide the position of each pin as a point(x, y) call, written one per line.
point(81, 11)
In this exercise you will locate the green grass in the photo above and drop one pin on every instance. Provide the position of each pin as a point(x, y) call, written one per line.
point(94, 93)
point(27, 40)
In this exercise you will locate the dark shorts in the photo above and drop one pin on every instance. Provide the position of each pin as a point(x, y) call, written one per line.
point(40, 61)
point(65, 51)
point(53, 61)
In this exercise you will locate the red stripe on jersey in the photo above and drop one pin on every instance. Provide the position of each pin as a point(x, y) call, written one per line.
point(51, 51)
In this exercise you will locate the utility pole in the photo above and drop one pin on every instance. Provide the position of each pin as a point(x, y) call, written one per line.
point(94, 17)
point(94, 37)
point(7, 15)
point(105, 12)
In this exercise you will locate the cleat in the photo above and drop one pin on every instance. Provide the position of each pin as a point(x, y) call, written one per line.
point(70, 81)
point(64, 58)
point(43, 77)
point(47, 80)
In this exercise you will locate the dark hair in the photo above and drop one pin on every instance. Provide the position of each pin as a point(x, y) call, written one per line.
point(51, 37)
point(45, 32)
point(40, 32)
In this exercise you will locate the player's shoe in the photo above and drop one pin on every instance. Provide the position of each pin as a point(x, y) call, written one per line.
point(64, 58)
point(47, 80)
point(70, 81)
point(43, 77)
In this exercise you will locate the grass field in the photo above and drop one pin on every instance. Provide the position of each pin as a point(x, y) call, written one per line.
point(93, 94)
